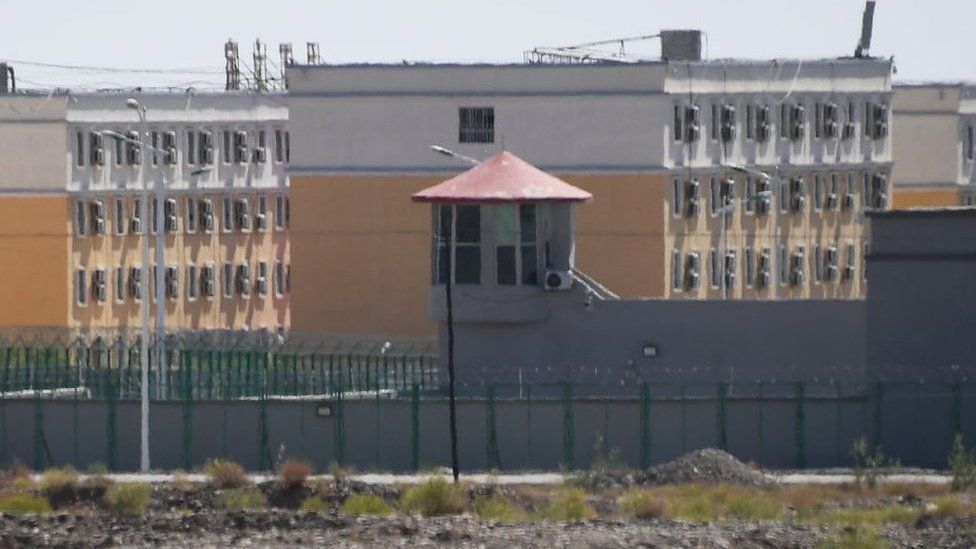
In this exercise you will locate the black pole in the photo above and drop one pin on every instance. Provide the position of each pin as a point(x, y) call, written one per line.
point(450, 355)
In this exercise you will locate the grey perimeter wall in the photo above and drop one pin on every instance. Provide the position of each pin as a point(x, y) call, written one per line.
point(789, 426)
point(695, 341)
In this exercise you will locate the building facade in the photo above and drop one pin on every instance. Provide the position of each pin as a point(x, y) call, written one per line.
point(935, 145)
point(654, 142)
point(73, 191)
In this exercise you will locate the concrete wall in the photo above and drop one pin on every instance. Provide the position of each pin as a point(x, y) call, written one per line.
point(915, 425)
point(696, 341)
point(33, 143)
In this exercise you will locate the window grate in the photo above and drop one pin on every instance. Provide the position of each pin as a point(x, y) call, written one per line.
point(476, 125)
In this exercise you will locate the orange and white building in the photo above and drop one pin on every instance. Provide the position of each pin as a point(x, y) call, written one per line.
point(70, 209)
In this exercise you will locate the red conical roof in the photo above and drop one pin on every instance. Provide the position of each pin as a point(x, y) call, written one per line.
point(503, 178)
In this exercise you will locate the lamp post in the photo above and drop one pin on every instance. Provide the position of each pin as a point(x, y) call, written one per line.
point(774, 205)
point(455, 468)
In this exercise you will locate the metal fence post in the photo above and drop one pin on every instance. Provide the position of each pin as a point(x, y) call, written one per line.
point(877, 414)
point(264, 459)
point(722, 438)
point(801, 429)
point(645, 425)
point(187, 453)
point(415, 427)
point(762, 423)
point(339, 433)
point(493, 458)
point(956, 408)
point(38, 431)
point(528, 421)
point(112, 450)
point(569, 435)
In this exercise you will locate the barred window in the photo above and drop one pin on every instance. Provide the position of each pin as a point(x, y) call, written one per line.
point(476, 125)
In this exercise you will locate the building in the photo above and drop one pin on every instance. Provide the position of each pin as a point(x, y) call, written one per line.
point(653, 141)
point(71, 208)
point(935, 145)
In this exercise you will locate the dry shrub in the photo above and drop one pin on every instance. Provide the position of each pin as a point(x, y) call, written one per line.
point(432, 498)
point(496, 507)
point(315, 504)
point(293, 472)
point(129, 498)
point(21, 504)
point(569, 505)
point(60, 484)
point(365, 504)
point(223, 473)
point(18, 469)
point(181, 481)
point(23, 484)
point(240, 499)
point(642, 504)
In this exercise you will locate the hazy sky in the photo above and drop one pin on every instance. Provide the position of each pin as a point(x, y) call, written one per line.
point(930, 39)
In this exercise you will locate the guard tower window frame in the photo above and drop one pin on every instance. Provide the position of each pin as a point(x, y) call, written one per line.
point(516, 251)
point(476, 124)
point(462, 222)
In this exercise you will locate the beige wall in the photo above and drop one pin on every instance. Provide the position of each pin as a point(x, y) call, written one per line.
point(110, 250)
point(34, 247)
point(926, 147)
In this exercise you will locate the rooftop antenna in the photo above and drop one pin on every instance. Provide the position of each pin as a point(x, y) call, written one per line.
point(260, 66)
point(312, 53)
point(232, 69)
point(867, 25)
point(284, 51)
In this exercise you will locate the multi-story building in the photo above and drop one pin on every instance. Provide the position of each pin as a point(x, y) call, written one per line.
point(935, 145)
point(653, 141)
point(72, 187)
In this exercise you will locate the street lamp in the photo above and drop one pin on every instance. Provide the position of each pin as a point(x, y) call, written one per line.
point(774, 205)
point(455, 468)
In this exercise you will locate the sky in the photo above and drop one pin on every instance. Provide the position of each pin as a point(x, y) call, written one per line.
point(929, 39)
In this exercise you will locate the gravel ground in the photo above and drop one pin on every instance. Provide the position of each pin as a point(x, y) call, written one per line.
point(276, 528)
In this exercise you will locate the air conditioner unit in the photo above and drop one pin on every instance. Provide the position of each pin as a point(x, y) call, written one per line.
point(797, 278)
point(208, 288)
point(762, 205)
point(262, 286)
point(260, 156)
point(170, 221)
point(880, 130)
point(830, 129)
point(848, 131)
point(559, 280)
point(763, 132)
point(692, 123)
point(798, 128)
point(691, 280)
point(261, 221)
point(728, 122)
point(98, 157)
point(831, 272)
point(831, 201)
point(762, 280)
point(208, 156)
point(848, 203)
point(848, 272)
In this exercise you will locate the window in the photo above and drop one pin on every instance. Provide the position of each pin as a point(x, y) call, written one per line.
point(279, 146)
point(851, 268)
point(729, 269)
point(227, 280)
point(784, 268)
point(818, 192)
point(154, 137)
point(153, 283)
point(81, 286)
point(81, 217)
point(750, 267)
point(750, 121)
point(120, 220)
point(749, 204)
point(225, 146)
point(155, 218)
point(714, 195)
point(467, 252)
point(261, 218)
point(191, 282)
point(288, 146)
point(677, 126)
point(99, 285)
point(676, 196)
point(205, 149)
point(833, 198)
point(135, 283)
point(120, 284)
point(818, 115)
point(715, 268)
point(676, 281)
point(693, 271)
point(970, 141)
point(96, 152)
point(242, 213)
point(172, 281)
point(262, 278)
point(817, 264)
point(205, 209)
point(191, 147)
point(864, 260)
point(515, 252)
point(261, 152)
point(715, 122)
point(240, 147)
point(119, 155)
point(279, 278)
point(279, 216)
point(797, 274)
point(79, 148)
point(784, 120)
point(784, 197)
point(169, 148)
point(243, 280)
point(476, 125)
point(287, 278)
point(866, 190)
point(97, 208)
point(191, 214)
point(227, 213)
point(287, 212)
point(763, 277)
point(207, 282)
point(133, 148)
point(171, 215)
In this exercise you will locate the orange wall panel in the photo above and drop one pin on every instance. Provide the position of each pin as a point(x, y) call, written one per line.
point(905, 198)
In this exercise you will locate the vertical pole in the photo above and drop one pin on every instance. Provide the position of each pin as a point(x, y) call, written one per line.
point(569, 435)
point(801, 442)
point(450, 354)
point(684, 418)
point(838, 442)
point(722, 438)
point(415, 427)
point(111, 423)
point(645, 425)
point(339, 434)
point(493, 459)
point(876, 416)
point(187, 412)
point(528, 420)
point(38, 431)
point(263, 426)
point(144, 299)
point(762, 424)
point(956, 409)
